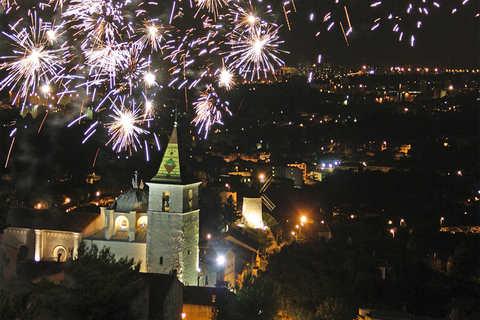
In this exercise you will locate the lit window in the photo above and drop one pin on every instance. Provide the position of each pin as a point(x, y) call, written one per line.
point(166, 201)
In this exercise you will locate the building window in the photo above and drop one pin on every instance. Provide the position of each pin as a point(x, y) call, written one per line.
point(166, 201)
point(161, 260)
point(22, 252)
point(190, 199)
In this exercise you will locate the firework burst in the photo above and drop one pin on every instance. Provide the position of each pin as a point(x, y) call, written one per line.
point(212, 6)
point(251, 51)
point(153, 34)
point(225, 78)
point(125, 127)
point(33, 61)
point(209, 110)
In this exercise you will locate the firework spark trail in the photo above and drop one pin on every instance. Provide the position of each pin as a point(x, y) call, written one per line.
point(41, 124)
point(95, 159)
point(9, 151)
point(343, 31)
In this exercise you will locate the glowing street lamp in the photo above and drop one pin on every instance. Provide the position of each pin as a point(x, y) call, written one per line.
point(441, 221)
point(221, 260)
point(45, 89)
point(262, 177)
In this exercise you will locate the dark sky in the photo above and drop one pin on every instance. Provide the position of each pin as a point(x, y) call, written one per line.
point(443, 40)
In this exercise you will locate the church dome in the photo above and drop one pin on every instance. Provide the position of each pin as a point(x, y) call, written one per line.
point(131, 200)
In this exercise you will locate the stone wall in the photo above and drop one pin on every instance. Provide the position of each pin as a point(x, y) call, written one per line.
point(190, 249)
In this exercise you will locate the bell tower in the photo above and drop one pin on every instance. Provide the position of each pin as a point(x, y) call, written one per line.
point(173, 218)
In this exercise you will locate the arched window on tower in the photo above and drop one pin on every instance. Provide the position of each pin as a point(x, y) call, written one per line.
point(190, 200)
point(166, 201)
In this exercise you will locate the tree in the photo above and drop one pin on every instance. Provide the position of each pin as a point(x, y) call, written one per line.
point(332, 309)
point(257, 299)
point(24, 305)
point(210, 204)
point(307, 275)
point(7, 200)
point(97, 286)
point(230, 213)
point(223, 309)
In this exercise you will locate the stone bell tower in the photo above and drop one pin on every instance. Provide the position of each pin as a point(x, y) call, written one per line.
point(173, 218)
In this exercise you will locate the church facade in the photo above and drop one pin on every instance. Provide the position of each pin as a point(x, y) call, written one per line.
point(160, 229)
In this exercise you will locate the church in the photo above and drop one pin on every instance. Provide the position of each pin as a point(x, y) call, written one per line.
point(160, 229)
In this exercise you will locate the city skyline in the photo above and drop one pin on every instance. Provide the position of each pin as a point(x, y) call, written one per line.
point(442, 39)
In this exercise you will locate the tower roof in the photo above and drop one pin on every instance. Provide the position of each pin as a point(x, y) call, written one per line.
point(131, 200)
point(172, 169)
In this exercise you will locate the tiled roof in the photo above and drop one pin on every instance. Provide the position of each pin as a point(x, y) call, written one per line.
point(49, 219)
point(120, 235)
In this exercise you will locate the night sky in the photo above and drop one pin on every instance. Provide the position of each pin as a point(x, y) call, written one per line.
point(443, 40)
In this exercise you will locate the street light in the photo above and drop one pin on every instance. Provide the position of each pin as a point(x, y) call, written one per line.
point(441, 221)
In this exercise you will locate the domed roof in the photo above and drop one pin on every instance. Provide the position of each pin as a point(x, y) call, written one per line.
point(135, 199)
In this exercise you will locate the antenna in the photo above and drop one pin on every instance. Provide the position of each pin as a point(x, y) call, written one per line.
point(176, 115)
point(134, 180)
